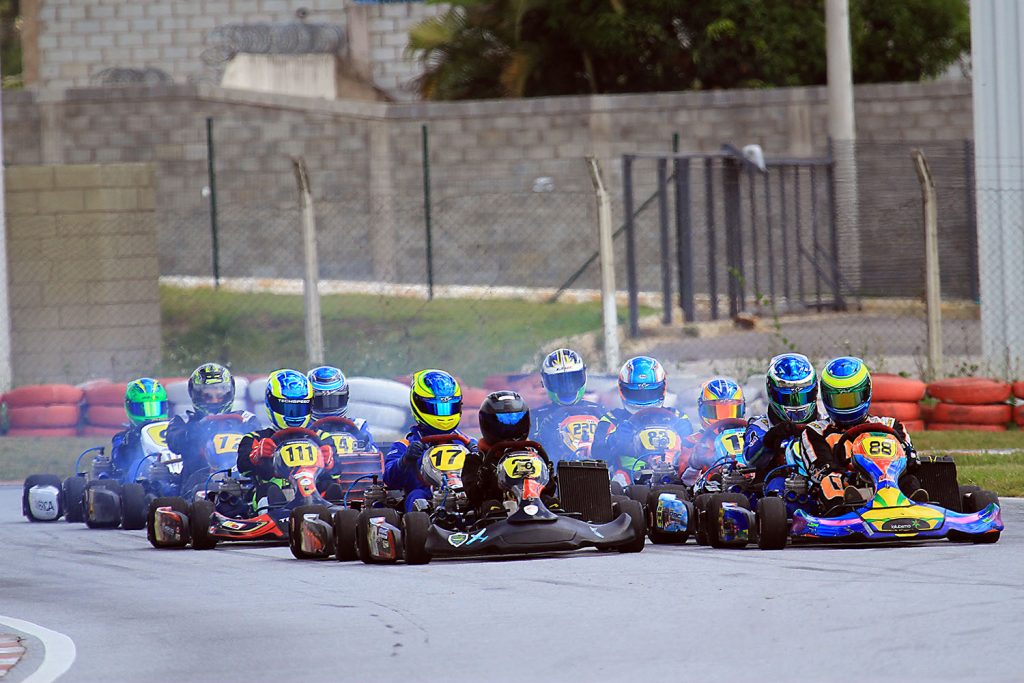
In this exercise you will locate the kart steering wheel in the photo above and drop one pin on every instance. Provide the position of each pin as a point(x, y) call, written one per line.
point(854, 432)
point(291, 432)
point(719, 426)
point(655, 411)
point(445, 438)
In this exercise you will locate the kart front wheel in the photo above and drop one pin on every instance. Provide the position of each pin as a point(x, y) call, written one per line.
point(42, 506)
point(772, 523)
point(637, 524)
point(639, 492)
point(72, 491)
point(712, 517)
point(978, 501)
point(176, 504)
point(101, 511)
point(700, 509)
point(660, 536)
point(199, 518)
point(133, 506)
point(390, 517)
point(415, 529)
point(297, 531)
point(345, 523)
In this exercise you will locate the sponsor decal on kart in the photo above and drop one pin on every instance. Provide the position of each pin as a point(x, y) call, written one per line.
point(531, 509)
point(671, 514)
point(169, 528)
point(382, 539)
point(734, 523)
point(479, 536)
point(904, 526)
point(458, 539)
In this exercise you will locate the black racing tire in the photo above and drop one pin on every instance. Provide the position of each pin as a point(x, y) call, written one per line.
point(390, 516)
point(772, 523)
point(639, 492)
point(41, 480)
point(978, 501)
point(109, 484)
point(616, 488)
point(638, 524)
point(965, 495)
point(658, 536)
point(176, 504)
point(294, 535)
point(345, 522)
point(415, 529)
point(700, 508)
point(199, 515)
point(133, 506)
point(72, 490)
point(711, 515)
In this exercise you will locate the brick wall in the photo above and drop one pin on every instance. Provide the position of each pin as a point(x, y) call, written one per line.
point(83, 271)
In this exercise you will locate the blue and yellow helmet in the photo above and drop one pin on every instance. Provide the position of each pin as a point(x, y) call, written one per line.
point(330, 391)
point(289, 399)
point(642, 384)
point(564, 375)
point(846, 390)
point(792, 388)
point(720, 398)
point(436, 400)
point(145, 400)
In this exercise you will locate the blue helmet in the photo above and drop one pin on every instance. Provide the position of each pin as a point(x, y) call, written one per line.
point(330, 392)
point(564, 375)
point(792, 388)
point(642, 384)
point(289, 399)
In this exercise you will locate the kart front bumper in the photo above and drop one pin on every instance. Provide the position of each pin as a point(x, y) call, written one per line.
point(504, 537)
point(897, 523)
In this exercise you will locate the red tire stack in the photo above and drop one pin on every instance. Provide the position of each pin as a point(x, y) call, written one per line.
point(898, 397)
point(43, 410)
point(104, 409)
point(1018, 410)
point(970, 404)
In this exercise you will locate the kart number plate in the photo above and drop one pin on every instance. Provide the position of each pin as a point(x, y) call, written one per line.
point(299, 454)
point(659, 439)
point(344, 444)
point(731, 441)
point(885, 446)
point(577, 430)
point(157, 432)
point(447, 458)
point(523, 466)
point(226, 443)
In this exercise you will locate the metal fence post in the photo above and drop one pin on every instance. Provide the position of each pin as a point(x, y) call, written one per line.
point(733, 246)
point(972, 218)
point(684, 239)
point(606, 249)
point(666, 263)
point(212, 184)
point(627, 206)
point(310, 289)
point(933, 286)
point(427, 218)
point(709, 197)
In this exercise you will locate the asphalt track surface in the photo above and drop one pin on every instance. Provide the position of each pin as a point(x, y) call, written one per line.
point(926, 612)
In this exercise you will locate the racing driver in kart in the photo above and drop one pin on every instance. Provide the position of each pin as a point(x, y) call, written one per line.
point(567, 425)
point(145, 401)
point(720, 398)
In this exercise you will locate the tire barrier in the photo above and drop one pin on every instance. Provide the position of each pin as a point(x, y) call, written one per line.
point(44, 417)
point(45, 432)
point(901, 411)
point(107, 417)
point(1018, 389)
point(43, 395)
point(101, 432)
point(106, 394)
point(893, 388)
point(1018, 415)
point(914, 426)
point(954, 413)
point(969, 390)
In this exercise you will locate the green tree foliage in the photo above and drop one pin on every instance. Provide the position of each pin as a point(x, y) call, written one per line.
point(10, 43)
point(531, 48)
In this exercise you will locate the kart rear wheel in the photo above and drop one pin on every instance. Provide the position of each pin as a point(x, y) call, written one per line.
point(390, 516)
point(133, 506)
point(295, 520)
point(176, 504)
point(772, 523)
point(638, 525)
point(415, 529)
point(345, 523)
point(639, 492)
point(90, 519)
point(659, 536)
point(711, 518)
point(700, 508)
point(72, 491)
point(199, 516)
point(40, 480)
point(978, 501)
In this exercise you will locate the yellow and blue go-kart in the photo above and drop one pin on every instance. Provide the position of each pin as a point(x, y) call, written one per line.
point(968, 513)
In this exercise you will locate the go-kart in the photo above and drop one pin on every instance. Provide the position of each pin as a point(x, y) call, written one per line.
point(104, 496)
point(447, 526)
point(878, 511)
point(354, 462)
point(224, 512)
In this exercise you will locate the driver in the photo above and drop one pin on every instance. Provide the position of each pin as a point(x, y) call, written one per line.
point(145, 401)
point(505, 425)
point(846, 393)
point(720, 398)
point(566, 426)
point(642, 384)
point(792, 389)
point(288, 399)
point(436, 400)
point(212, 390)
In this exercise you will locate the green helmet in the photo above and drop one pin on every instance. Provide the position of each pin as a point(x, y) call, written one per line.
point(145, 400)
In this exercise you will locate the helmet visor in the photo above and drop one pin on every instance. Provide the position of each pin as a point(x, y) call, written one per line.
point(290, 408)
point(147, 409)
point(213, 394)
point(645, 396)
point(330, 403)
point(712, 411)
point(510, 418)
point(437, 406)
point(793, 398)
point(565, 385)
point(847, 399)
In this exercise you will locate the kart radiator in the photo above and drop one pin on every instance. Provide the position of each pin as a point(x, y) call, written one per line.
point(583, 487)
point(938, 477)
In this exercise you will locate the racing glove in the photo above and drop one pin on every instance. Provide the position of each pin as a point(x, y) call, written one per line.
point(262, 449)
point(413, 453)
point(327, 456)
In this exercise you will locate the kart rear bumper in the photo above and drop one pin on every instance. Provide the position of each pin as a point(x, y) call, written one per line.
point(503, 537)
point(897, 525)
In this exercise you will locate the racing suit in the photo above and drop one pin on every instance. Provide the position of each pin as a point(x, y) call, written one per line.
point(566, 432)
point(401, 475)
point(187, 435)
point(613, 441)
point(764, 438)
point(252, 463)
point(125, 454)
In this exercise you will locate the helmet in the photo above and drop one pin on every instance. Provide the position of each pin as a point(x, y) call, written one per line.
point(330, 391)
point(289, 399)
point(846, 390)
point(792, 388)
point(718, 399)
point(145, 400)
point(436, 400)
point(642, 384)
point(212, 389)
point(564, 375)
point(504, 416)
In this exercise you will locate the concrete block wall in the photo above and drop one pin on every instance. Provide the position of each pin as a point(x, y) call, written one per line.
point(83, 269)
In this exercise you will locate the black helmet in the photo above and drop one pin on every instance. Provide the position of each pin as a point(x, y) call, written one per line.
point(504, 416)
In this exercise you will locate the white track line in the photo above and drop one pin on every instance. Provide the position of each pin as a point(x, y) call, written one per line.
point(59, 650)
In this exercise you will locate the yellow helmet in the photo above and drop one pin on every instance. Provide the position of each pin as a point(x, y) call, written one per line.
point(436, 400)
